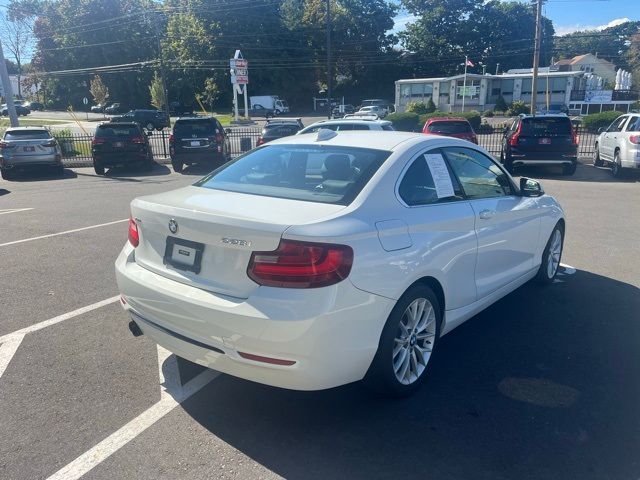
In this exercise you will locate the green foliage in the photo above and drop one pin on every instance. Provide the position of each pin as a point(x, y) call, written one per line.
point(596, 121)
point(210, 93)
point(156, 91)
point(501, 105)
point(431, 107)
point(404, 122)
point(518, 107)
point(417, 107)
point(99, 91)
point(487, 113)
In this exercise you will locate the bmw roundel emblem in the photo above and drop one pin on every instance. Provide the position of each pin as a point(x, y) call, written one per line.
point(173, 226)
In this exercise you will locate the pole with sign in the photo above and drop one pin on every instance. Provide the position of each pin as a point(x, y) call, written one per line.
point(239, 70)
point(85, 100)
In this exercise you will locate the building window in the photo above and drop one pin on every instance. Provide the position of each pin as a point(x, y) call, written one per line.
point(526, 86)
point(444, 89)
point(472, 89)
point(506, 87)
point(417, 90)
point(405, 92)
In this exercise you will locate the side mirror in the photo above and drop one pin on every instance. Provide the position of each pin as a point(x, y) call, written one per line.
point(530, 188)
point(227, 131)
point(149, 133)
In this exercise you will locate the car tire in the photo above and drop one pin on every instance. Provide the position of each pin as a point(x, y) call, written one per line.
point(59, 171)
point(6, 174)
point(399, 368)
point(569, 169)
point(508, 166)
point(616, 168)
point(597, 161)
point(177, 165)
point(99, 169)
point(551, 256)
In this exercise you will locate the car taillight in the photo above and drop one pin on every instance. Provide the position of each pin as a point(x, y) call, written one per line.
point(301, 265)
point(635, 139)
point(6, 145)
point(51, 143)
point(219, 138)
point(171, 138)
point(513, 141)
point(137, 140)
point(574, 137)
point(134, 236)
point(98, 141)
point(260, 141)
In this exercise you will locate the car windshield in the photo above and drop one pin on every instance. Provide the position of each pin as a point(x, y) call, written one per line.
point(545, 126)
point(449, 128)
point(194, 127)
point(313, 173)
point(116, 131)
point(27, 135)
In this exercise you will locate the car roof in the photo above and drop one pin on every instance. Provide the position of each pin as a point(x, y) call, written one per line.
point(378, 140)
point(552, 115)
point(16, 129)
point(195, 116)
point(109, 124)
point(351, 121)
point(447, 119)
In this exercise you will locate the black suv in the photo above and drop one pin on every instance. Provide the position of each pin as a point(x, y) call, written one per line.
point(149, 119)
point(278, 128)
point(198, 140)
point(117, 144)
point(540, 140)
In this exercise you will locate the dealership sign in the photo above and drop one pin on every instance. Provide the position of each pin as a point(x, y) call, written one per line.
point(239, 69)
point(598, 96)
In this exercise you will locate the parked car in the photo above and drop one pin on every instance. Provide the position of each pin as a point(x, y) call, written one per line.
point(258, 110)
point(149, 119)
point(342, 110)
point(372, 110)
point(115, 108)
point(279, 128)
point(349, 124)
point(120, 144)
point(21, 110)
point(99, 108)
point(268, 272)
point(618, 146)
point(555, 109)
point(198, 140)
point(177, 109)
point(450, 127)
point(33, 106)
point(540, 140)
point(378, 102)
point(29, 147)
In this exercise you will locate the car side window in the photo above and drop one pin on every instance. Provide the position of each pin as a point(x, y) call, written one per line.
point(634, 125)
point(418, 188)
point(479, 176)
point(618, 124)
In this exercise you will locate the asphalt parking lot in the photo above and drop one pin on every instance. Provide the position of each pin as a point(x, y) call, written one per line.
point(543, 384)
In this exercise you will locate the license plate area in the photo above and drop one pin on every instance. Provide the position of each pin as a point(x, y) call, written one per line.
point(544, 141)
point(28, 149)
point(195, 143)
point(118, 144)
point(183, 254)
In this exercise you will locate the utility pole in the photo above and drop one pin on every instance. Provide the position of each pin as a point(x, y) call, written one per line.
point(8, 92)
point(497, 68)
point(536, 57)
point(329, 73)
point(163, 73)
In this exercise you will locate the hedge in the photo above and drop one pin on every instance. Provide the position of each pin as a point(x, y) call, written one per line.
point(596, 121)
point(404, 122)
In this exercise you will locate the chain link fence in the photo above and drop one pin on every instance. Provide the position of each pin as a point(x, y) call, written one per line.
point(76, 148)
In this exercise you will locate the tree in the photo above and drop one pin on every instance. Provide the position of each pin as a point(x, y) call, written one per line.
point(17, 38)
point(99, 91)
point(501, 104)
point(431, 107)
point(210, 94)
point(156, 91)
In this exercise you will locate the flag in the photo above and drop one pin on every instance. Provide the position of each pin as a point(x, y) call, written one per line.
point(469, 63)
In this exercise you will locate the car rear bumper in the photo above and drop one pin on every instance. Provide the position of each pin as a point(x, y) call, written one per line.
point(26, 161)
point(331, 334)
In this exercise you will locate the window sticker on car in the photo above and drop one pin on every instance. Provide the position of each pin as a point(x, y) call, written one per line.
point(440, 175)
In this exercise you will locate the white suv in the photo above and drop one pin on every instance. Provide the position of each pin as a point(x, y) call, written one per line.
point(619, 145)
point(350, 124)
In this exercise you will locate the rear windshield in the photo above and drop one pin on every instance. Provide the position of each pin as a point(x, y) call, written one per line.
point(195, 127)
point(449, 127)
point(116, 131)
point(546, 126)
point(27, 135)
point(280, 130)
point(313, 173)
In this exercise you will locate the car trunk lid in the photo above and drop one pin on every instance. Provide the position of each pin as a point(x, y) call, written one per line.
point(222, 228)
point(546, 134)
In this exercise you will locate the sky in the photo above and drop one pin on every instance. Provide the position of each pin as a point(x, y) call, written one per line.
point(573, 15)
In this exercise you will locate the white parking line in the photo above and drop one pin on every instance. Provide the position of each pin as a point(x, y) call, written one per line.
point(172, 395)
point(4, 211)
point(60, 318)
point(62, 233)
point(8, 350)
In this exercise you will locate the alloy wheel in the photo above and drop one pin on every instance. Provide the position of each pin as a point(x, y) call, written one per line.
point(555, 251)
point(414, 341)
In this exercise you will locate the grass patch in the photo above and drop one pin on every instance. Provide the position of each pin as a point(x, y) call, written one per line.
point(32, 122)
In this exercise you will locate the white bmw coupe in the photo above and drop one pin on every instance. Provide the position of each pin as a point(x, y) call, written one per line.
point(322, 259)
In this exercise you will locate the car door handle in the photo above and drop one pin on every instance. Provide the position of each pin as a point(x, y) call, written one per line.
point(486, 214)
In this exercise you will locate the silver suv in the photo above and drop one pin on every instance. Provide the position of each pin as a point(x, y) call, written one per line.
point(618, 146)
point(28, 147)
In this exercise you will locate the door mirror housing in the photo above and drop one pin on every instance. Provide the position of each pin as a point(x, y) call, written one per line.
point(149, 133)
point(601, 130)
point(530, 188)
point(227, 131)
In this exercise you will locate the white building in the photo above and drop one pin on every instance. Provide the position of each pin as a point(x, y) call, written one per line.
point(482, 91)
point(14, 87)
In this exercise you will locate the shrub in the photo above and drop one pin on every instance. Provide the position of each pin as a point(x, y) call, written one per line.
point(474, 118)
point(517, 107)
point(501, 105)
point(417, 107)
point(404, 122)
point(596, 121)
point(431, 107)
point(487, 113)
point(484, 128)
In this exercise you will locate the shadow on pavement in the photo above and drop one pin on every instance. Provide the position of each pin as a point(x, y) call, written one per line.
point(35, 175)
point(586, 172)
point(130, 174)
point(543, 384)
point(4, 191)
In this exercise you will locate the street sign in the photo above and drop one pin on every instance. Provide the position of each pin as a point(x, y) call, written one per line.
point(85, 100)
point(239, 69)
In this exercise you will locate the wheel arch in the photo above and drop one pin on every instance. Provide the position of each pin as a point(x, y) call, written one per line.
point(435, 285)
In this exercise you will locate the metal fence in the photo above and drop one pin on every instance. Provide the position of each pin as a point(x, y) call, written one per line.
point(76, 148)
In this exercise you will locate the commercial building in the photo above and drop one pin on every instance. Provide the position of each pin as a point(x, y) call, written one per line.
point(589, 63)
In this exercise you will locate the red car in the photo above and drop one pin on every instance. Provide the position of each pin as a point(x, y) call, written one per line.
point(450, 127)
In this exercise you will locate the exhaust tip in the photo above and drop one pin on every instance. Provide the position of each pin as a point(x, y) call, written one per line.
point(134, 329)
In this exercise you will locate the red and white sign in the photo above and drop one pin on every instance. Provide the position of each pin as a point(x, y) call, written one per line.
point(239, 69)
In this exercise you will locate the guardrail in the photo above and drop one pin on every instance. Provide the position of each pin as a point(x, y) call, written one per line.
point(76, 148)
